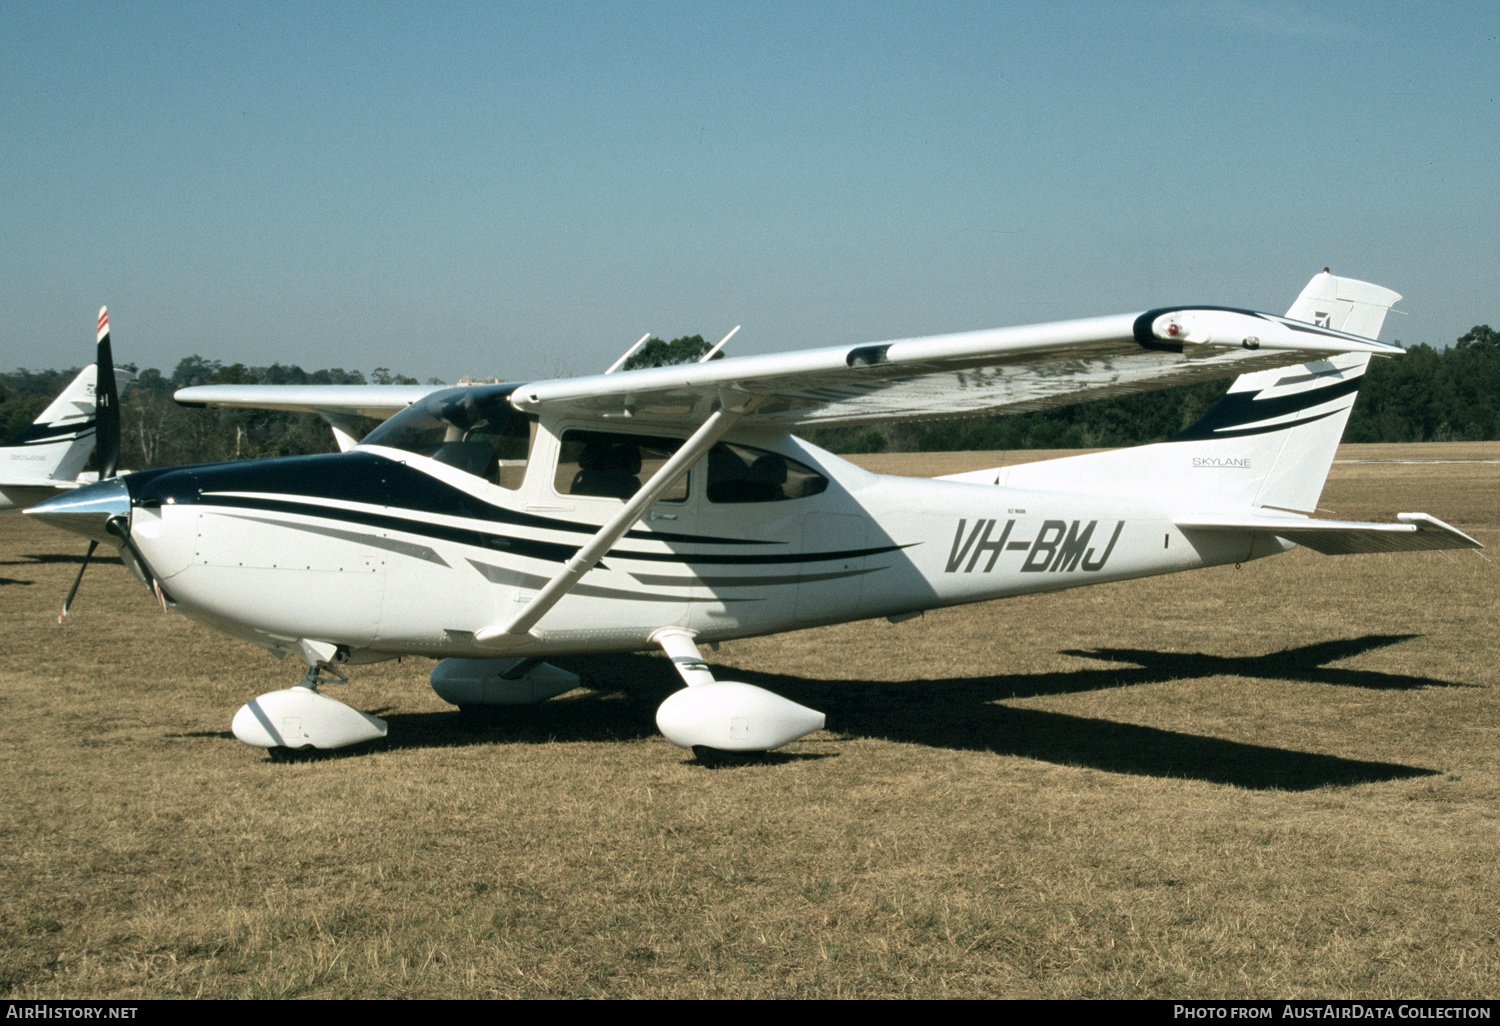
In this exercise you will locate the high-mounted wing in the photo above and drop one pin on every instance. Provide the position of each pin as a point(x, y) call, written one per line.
point(1003, 370)
point(377, 401)
point(336, 404)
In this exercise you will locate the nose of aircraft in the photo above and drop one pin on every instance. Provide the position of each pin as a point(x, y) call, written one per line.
point(87, 510)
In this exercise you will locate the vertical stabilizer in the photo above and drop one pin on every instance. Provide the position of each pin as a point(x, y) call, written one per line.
point(1292, 418)
point(1268, 443)
point(1344, 304)
point(57, 445)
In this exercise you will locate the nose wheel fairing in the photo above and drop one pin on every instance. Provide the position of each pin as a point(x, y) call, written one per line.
point(304, 717)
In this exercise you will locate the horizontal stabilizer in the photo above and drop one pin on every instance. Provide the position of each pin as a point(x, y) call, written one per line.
point(1416, 532)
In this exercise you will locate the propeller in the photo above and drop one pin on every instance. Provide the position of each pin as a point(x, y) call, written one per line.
point(106, 404)
point(106, 438)
point(67, 602)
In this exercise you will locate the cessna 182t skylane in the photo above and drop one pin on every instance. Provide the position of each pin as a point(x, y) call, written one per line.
point(495, 525)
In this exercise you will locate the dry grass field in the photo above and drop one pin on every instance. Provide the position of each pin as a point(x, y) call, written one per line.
point(1281, 780)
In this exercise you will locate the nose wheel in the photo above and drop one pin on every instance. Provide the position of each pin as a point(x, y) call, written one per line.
point(303, 717)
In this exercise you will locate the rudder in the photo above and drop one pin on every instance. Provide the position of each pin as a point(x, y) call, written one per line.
point(1344, 304)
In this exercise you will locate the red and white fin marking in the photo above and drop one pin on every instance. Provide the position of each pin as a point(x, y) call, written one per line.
point(103, 323)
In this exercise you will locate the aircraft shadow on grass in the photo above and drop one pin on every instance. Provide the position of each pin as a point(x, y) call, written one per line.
point(46, 558)
point(958, 713)
point(42, 558)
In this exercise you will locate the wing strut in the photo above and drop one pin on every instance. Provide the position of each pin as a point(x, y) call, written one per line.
point(719, 422)
point(715, 350)
point(343, 428)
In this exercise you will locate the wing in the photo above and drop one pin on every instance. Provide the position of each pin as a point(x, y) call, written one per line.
point(339, 405)
point(377, 401)
point(1004, 370)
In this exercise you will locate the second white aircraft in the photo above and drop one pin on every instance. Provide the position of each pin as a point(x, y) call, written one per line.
point(47, 458)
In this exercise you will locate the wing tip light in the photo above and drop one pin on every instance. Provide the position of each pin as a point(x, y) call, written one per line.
point(1210, 327)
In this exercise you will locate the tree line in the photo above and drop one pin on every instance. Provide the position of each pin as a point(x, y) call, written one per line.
point(1428, 395)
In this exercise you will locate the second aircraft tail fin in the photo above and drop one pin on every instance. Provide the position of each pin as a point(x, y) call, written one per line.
point(57, 444)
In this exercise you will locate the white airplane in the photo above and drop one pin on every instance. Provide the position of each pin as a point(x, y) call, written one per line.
point(493, 526)
point(47, 458)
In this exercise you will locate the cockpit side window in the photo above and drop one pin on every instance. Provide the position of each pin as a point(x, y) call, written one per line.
point(474, 429)
point(613, 465)
point(740, 473)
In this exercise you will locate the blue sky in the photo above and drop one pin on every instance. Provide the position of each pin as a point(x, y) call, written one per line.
point(520, 190)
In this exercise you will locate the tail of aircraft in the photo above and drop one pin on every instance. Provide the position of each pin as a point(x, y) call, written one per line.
point(1268, 443)
point(1344, 304)
point(57, 444)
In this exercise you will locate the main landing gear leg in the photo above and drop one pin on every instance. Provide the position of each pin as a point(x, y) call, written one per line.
point(725, 716)
point(303, 717)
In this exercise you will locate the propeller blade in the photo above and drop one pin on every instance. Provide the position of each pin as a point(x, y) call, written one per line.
point(106, 404)
point(76, 582)
point(117, 527)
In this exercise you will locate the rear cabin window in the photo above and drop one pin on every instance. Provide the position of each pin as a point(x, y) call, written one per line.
point(614, 465)
point(739, 473)
point(474, 429)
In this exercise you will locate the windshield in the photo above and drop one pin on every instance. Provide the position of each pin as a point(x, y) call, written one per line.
point(474, 429)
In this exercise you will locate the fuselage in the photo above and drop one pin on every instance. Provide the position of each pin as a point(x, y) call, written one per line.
point(385, 551)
